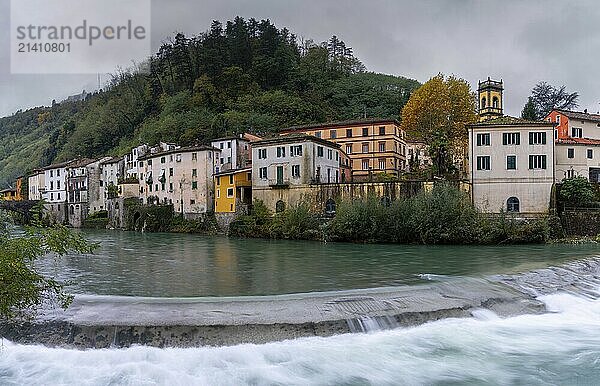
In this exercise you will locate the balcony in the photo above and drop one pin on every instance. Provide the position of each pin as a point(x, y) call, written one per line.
point(280, 183)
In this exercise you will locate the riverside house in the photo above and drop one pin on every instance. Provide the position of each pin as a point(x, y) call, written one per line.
point(84, 193)
point(236, 151)
point(374, 146)
point(55, 191)
point(511, 165)
point(284, 168)
point(233, 191)
point(182, 177)
point(36, 185)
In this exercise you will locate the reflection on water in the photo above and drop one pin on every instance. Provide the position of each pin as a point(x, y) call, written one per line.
point(175, 265)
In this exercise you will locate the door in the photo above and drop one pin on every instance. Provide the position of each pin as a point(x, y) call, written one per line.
point(279, 175)
point(594, 175)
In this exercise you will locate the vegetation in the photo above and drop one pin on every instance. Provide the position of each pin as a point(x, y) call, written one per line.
point(545, 98)
point(437, 113)
point(245, 75)
point(205, 225)
point(577, 191)
point(97, 220)
point(22, 288)
point(444, 215)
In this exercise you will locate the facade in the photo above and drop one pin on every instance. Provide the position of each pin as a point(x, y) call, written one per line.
point(573, 124)
point(55, 180)
point(19, 189)
point(36, 184)
point(374, 146)
point(578, 157)
point(233, 191)
point(111, 174)
point(417, 155)
point(83, 190)
point(182, 177)
point(284, 168)
point(8, 194)
point(131, 161)
point(511, 165)
point(490, 101)
point(236, 151)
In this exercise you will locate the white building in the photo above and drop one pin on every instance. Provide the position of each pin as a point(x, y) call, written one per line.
point(182, 177)
point(36, 184)
point(235, 152)
point(111, 172)
point(131, 159)
point(283, 167)
point(55, 181)
point(511, 165)
point(577, 157)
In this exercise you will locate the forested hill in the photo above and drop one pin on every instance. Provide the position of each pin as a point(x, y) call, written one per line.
point(246, 75)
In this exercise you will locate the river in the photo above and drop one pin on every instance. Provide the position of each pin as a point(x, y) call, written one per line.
point(560, 347)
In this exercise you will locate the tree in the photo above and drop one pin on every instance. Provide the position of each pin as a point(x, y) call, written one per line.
point(577, 191)
point(529, 112)
point(547, 98)
point(22, 287)
point(437, 113)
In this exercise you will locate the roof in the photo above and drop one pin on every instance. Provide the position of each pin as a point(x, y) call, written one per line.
point(81, 162)
point(511, 121)
point(294, 138)
point(180, 150)
point(234, 171)
point(58, 165)
point(112, 160)
point(9, 190)
point(578, 141)
point(582, 116)
point(327, 125)
point(230, 138)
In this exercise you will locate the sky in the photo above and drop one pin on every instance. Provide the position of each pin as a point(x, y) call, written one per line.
point(521, 42)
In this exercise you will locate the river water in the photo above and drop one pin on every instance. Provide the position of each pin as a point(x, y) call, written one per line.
point(558, 348)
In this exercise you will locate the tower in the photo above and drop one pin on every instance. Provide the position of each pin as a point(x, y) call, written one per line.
point(490, 99)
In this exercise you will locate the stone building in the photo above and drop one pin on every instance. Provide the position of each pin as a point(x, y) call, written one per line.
point(236, 151)
point(284, 168)
point(511, 165)
point(36, 184)
point(182, 177)
point(374, 146)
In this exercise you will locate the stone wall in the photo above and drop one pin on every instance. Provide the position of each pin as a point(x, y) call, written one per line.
point(582, 222)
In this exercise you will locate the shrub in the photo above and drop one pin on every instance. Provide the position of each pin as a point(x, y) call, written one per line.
point(577, 191)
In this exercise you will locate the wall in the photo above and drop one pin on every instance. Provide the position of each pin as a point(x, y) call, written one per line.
point(579, 164)
point(581, 222)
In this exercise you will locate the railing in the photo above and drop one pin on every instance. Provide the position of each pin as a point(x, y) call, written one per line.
point(281, 183)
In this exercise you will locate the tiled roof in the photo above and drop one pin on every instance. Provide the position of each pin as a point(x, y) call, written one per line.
point(294, 138)
point(179, 150)
point(510, 121)
point(582, 116)
point(327, 125)
point(578, 141)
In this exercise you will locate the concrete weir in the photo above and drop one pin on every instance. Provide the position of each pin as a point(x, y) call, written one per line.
point(109, 321)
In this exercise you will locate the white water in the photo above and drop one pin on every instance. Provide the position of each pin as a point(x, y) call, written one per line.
point(557, 348)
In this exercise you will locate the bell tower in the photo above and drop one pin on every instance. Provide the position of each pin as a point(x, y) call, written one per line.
point(490, 99)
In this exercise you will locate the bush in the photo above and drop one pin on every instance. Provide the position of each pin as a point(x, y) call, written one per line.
point(577, 191)
point(204, 225)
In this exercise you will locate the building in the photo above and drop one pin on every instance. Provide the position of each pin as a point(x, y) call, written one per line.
point(84, 192)
point(9, 194)
point(55, 191)
point(111, 175)
point(235, 151)
point(182, 177)
point(19, 188)
point(284, 167)
point(577, 157)
point(573, 124)
point(233, 191)
point(131, 161)
point(490, 102)
point(374, 146)
point(36, 184)
point(511, 165)
point(417, 155)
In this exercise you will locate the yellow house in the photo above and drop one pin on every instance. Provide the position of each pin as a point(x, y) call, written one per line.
point(233, 190)
point(8, 195)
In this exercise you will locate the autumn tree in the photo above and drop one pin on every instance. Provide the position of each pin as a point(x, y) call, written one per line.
point(437, 113)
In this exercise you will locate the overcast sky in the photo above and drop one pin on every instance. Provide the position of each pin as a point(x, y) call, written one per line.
point(520, 41)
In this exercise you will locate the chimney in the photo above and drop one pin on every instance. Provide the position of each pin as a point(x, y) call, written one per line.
point(585, 111)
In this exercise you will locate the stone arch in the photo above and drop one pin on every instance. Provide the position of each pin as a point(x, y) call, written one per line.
point(279, 206)
point(513, 205)
point(330, 206)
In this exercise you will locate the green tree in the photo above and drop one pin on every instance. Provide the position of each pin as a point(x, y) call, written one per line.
point(22, 288)
point(529, 111)
point(547, 98)
point(577, 191)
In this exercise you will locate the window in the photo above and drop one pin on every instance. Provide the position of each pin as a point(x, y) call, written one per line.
point(511, 138)
point(194, 185)
point(365, 147)
point(192, 202)
point(555, 134)
point(365, 164)
point(229, 145)
point(381, 146)
point(330, 206)
point(570, 173)
point(296, 171)
point(483, 103)
point(296, 151)
point(349, 149)
point(228, 160)
point(221, 146)
point(58, 173)
point(570, 153)
point(329, 154)
point(590, 153)
point(483, 139)
point(318, 134)
point(365, 131)
point(576, 132)
point(558, 119)
point(319, 151)
point(511, 162)
point(279, 206)
point(349, 133)
point(483, 162)
point(51, 173)
point(163, 160)
point(280, 151)
point(51, 196)
point(381, 130)
point(537, 162)
point(231, 179)
point(218, 181)
point(382, 164)
point(495, 103)
point(249, 176)
point(170, 186)
point(149, 162)
point(512, 204)
point(170, 172)
point(262, 153)
point(194, 156)
point(262, 173)
point(229, 192)
point(537, 138)
point(51, 185)
point(162, 186)
point(333, 134)
point(222, 161)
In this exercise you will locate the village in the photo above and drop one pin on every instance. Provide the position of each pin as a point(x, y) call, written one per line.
point(511, 166)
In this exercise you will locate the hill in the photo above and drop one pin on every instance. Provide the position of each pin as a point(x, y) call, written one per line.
point(246, 75)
